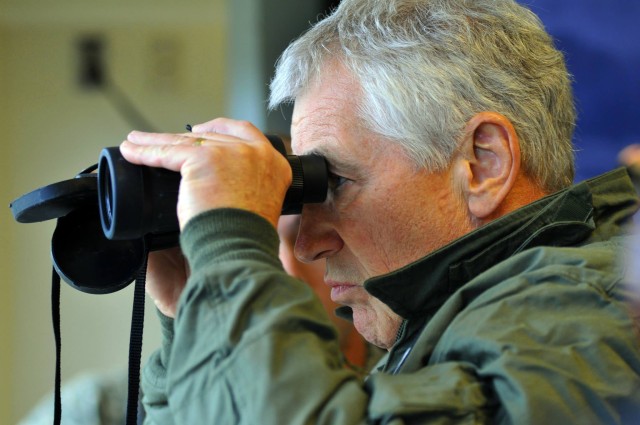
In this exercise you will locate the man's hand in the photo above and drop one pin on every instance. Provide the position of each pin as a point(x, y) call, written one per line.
point(167, 273)
point(224, 164)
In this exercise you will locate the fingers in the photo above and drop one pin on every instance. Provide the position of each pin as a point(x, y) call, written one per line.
point(170, 151)
point(224, 164)
point(170, 157)
point(209, 133)
point(147, 139)
point(166, 150)
point(144, 138)
point(243, 130)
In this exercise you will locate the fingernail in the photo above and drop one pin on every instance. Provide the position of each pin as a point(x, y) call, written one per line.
point(134, 135)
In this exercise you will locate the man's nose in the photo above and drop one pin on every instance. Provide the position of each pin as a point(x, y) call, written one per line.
point(317, 237)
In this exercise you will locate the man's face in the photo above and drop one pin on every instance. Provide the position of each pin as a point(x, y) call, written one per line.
point(381, 212)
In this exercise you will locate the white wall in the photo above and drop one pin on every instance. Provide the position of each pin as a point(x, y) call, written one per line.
point(220, 62)
point(6, 239)
point(51, 129)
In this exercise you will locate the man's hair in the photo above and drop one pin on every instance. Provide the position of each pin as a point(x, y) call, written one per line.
point(425, 67)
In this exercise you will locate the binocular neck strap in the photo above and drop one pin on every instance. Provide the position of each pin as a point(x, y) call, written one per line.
point(134, 414)
point(55, 316)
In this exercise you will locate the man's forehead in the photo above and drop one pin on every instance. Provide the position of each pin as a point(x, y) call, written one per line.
point(325, 110)
point(328, 134)
point(315, 131)
point(307, 143)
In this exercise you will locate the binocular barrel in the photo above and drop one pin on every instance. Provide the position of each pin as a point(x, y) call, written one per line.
point(136, 200)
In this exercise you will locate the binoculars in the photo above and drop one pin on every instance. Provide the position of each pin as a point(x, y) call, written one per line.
point(109, 220)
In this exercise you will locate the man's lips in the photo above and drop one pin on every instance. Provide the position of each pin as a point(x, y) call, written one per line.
point(339, 290)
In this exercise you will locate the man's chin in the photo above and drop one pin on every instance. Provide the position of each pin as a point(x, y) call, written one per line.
point(364, 320)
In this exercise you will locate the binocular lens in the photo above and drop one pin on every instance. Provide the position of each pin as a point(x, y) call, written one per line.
point(106, 211)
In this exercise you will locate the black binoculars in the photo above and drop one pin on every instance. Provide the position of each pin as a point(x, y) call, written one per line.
point(109, 220)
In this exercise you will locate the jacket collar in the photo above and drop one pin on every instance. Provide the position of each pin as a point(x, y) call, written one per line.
point(565, 218)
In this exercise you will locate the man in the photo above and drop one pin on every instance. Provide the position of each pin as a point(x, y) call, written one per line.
point(450, 237)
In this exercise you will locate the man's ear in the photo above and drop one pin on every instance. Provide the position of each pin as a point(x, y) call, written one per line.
point(489, 163)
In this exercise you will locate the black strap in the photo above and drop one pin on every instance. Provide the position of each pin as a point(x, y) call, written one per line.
point(135, 347)
point(55, 315)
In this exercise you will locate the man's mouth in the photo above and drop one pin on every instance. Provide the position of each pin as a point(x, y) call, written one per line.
point(340, 290)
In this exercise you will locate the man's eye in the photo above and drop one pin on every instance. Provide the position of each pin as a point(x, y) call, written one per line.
point(336, 181)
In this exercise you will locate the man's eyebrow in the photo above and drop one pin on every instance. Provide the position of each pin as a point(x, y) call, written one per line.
point(328, 152)
point(335, 162)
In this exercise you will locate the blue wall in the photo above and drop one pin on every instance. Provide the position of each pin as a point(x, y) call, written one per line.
point(601, 42)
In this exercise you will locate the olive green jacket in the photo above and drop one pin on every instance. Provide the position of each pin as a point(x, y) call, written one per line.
point(523, 321)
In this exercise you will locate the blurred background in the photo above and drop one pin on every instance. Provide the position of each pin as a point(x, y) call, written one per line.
point(600, 41)
point(78, 75)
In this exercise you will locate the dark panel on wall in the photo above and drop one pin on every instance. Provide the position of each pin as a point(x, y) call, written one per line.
point(284, 20)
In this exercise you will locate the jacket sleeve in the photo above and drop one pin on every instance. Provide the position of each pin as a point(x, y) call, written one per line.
point(154, 377)
point(251, 345)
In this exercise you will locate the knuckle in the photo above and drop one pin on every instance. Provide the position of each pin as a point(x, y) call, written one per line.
point(245, 124)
